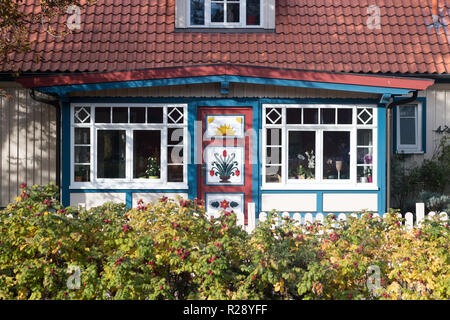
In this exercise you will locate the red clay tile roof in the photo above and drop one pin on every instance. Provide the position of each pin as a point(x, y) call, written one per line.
point(319, 35)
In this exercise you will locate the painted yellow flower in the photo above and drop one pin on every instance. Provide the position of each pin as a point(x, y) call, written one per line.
point(46, 213)
point(225, 130)
point(210, 119)
point(17, 199)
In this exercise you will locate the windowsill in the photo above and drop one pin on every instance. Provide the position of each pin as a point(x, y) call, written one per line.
point(128, 185)
point(319, 187)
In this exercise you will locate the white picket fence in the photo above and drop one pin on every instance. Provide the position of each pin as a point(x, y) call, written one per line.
point(319, 217)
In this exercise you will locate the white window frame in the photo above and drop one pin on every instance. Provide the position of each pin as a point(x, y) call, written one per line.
point(242, 18)
point(411, 148)
point(319, 183)
point(128, 182)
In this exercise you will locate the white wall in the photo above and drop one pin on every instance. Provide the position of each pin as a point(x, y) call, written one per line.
point(89, 200)
point(289, 202)
point(438, 115)
point(351, 202)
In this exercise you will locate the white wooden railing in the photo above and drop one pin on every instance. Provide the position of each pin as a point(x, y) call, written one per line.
point(320, 217)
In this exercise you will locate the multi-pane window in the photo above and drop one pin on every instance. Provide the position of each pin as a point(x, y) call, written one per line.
point(409, 128)
point(318, 144)
point(136, 144)
point(220, 13)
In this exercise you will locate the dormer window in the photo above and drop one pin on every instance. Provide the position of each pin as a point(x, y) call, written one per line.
point(225, 13)
point(212, 14)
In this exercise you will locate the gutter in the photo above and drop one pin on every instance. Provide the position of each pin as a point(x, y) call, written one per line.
point(56, 105)
point(389, 108)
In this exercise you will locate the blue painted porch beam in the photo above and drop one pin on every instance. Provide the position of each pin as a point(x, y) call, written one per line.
point(65, 89)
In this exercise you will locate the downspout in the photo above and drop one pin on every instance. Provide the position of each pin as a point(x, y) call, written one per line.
point(389, 108)
point(56, 105)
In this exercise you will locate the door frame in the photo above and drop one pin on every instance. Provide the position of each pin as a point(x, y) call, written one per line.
point(248, 142)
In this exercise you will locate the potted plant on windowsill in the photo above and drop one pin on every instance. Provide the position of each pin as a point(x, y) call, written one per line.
point(80, 173)
point(301, 174)
point(153, 168)
point(306, 172)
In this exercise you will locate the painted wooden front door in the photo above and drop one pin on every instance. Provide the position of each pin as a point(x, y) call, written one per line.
point(225, 172)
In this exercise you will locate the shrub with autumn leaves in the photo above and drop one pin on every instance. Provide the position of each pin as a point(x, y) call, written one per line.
point(170, 249)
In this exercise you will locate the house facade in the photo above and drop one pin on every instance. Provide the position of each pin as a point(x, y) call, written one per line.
point(286, 105)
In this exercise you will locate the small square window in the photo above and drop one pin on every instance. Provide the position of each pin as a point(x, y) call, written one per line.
point(137, 115)
point(293, 115)
point(175, 173)
point(175, 136)
point(82, 136)
point(103, 115)
point(273, 115)
point(310, 116)
point(82, 114)
point(273, 137)
point(328, 116)
point(120, 115)
point(345, 116)
point(155, 115)
point(273, 174)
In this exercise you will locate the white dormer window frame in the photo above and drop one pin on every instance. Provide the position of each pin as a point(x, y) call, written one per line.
point(266, 15)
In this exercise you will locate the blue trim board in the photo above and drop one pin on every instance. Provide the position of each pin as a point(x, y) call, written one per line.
point(192, 166)
point(382, 158)
point(221, 102)
point(256, 155)
point(66, 152)
point(319, 199)
point(65, 89)
point(129, 200)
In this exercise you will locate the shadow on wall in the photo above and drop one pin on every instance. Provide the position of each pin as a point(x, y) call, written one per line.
point(27, 143)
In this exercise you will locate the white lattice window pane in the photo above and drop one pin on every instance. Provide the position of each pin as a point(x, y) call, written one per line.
point(365, 115)
point(293, 115)
point(155, 115)
point(273, 115)
point(364, 156)
point(273, 174)
point(175, 115)
point(82, 115)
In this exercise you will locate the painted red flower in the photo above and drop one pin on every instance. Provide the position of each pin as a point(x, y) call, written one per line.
point(211, 173)
point(224, 153)
point(237, 173)
point(225, 204)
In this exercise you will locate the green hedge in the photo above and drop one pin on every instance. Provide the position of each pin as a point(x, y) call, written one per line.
point(170, 250)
